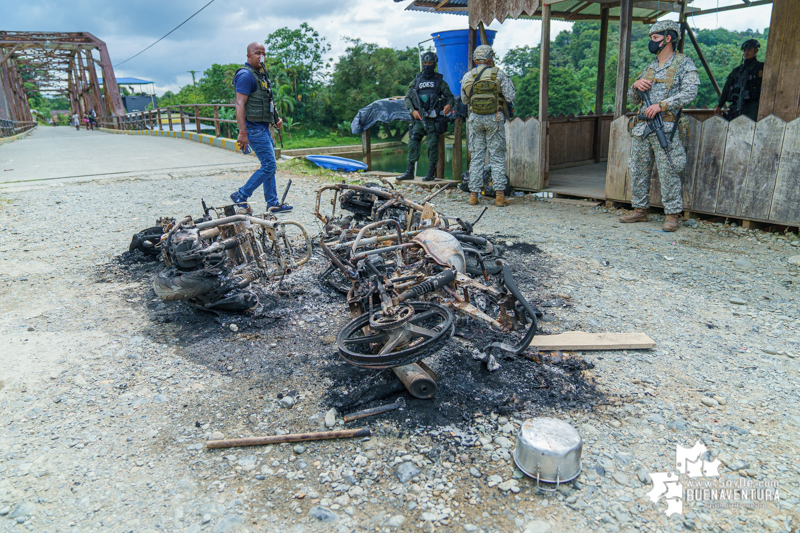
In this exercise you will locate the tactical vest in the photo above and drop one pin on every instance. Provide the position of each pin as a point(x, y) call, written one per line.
point(746, 82)
point(483, 91)
point(259, 106)
point(677, 61)
point(429, 91)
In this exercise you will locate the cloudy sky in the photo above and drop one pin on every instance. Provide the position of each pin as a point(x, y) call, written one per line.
point(220, 33)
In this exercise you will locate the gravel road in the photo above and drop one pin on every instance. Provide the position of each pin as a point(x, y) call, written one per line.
point(106, 399)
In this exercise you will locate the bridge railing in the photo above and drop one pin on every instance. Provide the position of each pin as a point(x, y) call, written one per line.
point(172, 118)
point(9, 128)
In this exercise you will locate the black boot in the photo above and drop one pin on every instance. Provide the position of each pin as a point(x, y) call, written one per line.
point(409, 175)
point(431, 175)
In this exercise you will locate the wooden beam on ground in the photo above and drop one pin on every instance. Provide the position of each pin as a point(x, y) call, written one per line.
point(544, 79)
point(624, 58)
point(580, 340)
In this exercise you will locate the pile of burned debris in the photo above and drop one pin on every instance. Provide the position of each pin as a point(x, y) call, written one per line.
point(411, 275)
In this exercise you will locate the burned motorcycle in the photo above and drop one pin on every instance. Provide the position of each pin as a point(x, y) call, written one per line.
point(213, 260)
point(405, 287)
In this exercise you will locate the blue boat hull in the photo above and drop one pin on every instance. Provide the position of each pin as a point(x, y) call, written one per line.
point(333, 162)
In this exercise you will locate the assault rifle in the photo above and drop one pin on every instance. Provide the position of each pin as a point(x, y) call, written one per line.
point(656, 125)
point(418, 103)
point(738, 95)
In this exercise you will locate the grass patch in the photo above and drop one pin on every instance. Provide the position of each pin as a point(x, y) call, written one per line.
point(297, 141)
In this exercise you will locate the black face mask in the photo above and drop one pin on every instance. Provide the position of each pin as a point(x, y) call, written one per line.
point(655, 47)
point(428, 71)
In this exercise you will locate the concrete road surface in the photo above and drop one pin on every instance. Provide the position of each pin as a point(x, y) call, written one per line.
point(64, 153)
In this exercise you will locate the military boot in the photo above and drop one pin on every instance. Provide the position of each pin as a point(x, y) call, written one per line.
point(671, 223)
point(638, 215)
point(409, 175)
point(473, 198)
point(431, 175)
point(500, 199)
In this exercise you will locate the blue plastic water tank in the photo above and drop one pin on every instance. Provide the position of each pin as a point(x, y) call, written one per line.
point(452, 47)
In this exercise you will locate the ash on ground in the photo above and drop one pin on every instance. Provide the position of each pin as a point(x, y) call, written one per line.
point(288, 345)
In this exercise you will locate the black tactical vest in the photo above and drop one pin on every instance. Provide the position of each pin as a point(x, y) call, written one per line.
point(746, 81)
point(259, 106)
point(429, 91)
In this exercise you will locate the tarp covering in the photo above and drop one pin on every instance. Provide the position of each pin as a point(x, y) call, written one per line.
point(385, 110)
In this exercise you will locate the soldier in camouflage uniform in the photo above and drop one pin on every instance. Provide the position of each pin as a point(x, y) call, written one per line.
point(487, 90)
point(671, 82)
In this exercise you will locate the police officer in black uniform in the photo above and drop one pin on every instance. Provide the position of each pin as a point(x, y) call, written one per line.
point(743, 86)
point(428, 99)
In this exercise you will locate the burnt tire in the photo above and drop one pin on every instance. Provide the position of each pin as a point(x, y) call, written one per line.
point(173, 284)
point(145, 241)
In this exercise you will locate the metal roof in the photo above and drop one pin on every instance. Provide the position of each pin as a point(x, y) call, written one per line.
point(570, 10)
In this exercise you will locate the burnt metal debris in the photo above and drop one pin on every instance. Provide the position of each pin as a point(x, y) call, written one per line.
point(211, 261)
point(406, 269)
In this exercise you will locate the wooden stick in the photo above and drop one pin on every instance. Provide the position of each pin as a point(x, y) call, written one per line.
point(294, 437)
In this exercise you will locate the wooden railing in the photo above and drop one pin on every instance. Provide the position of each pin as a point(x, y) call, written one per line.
point(169, 118)
point(9, 128)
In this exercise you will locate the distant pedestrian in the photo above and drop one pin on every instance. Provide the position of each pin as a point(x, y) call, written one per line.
point(92, 119)
point(255, 112)
point(76, 121)
point(487, 90)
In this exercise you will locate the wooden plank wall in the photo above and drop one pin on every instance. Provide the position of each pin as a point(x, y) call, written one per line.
point(740, 169)
point(522, 153)
point(572, 138)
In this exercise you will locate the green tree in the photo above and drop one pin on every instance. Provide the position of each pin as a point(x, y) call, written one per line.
point(367, 72)
point(216, 85)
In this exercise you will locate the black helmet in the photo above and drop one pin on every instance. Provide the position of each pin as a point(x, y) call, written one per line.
point(751, 43)
point(429, 57)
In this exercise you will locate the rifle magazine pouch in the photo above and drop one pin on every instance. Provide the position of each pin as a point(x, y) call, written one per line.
point(632, 122)
point(441, 126)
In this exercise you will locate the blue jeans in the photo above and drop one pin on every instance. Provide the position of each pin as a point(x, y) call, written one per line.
point(261, 143)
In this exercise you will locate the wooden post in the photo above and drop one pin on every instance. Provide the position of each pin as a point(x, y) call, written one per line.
point(682, 22)
point(169, 117)
point(457, 154)
point(183, 118)
point(544, 78)
point(624, 59)
point(601, 83)
point(366, 148)
point(441, 163)
point(216, 120)
point(703, 60)
point(158, 117)
point(197, 118)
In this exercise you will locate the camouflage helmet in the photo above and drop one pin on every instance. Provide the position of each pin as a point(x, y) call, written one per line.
point(666, 25)
point(429, 57)
point(483, 53)
point(751, 43)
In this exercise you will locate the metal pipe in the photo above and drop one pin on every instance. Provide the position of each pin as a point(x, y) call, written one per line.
point(237, 218)
point(375, 225)
point(356, 258)
point(418, 382)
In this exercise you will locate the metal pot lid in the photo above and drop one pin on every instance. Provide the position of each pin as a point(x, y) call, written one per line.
point(549, 436)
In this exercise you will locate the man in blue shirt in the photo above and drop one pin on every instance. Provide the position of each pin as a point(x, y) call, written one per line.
point(255, 111)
